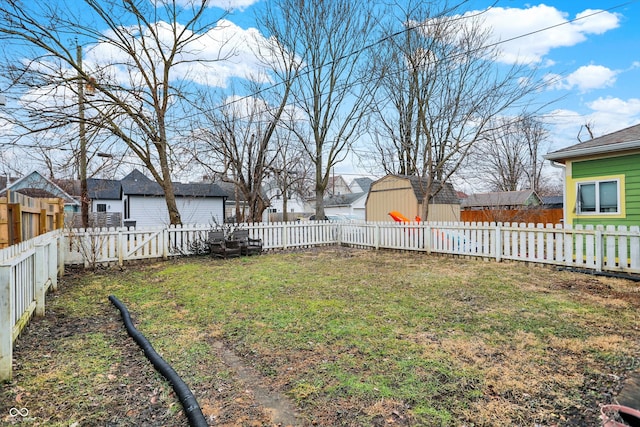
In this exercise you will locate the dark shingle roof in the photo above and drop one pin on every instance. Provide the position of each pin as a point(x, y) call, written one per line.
point(501, 198)
point(444, 193)
point(342, 199)
point(553, 201)
point(137, 184)
point(625, 139)
point(102, 189)
point(364, 183)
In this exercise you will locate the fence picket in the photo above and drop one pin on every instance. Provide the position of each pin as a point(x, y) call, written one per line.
point(24, 280)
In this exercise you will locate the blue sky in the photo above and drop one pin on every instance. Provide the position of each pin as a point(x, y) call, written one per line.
point(596, 58)
point(595, 61)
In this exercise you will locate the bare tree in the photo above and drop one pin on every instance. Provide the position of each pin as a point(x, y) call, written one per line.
point(509, 158)
point(236, 147)
point(440, 87)
point(139, 57)
point(327, 40)
point(291, 170)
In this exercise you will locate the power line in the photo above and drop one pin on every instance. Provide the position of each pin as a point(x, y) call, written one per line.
point(412, 28)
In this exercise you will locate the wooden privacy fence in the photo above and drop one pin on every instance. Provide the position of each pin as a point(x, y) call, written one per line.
point(23, 217)
point(536, 215)
point(27, 271)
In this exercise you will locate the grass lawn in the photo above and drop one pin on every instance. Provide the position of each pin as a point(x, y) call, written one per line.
point(333, 337)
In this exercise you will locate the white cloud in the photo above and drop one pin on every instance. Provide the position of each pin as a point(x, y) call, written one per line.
point(591, 77)
point(606, 115)
point(222, 4)
point(225, 52)
point(584, 79)
point(616, 106)
point(508, 23)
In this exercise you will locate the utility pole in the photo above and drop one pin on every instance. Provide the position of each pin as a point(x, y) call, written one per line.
point(82, 166)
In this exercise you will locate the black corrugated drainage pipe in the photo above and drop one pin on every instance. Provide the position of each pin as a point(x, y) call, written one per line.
point(188, 401)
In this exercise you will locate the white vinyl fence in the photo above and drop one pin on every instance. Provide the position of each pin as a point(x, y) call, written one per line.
point(27, 270)
point(597, 248)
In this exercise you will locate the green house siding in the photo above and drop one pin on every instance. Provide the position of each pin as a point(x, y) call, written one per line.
point(629, 166)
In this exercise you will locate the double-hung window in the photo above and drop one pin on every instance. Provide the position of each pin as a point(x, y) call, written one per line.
point(598, 197)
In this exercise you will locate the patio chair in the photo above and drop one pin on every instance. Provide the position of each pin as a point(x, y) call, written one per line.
point(248, 245)
point(220, 247)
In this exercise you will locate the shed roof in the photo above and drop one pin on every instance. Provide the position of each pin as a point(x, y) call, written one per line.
point(442, 193)
point(619, 141)
point(501, 198)
point(36, 185)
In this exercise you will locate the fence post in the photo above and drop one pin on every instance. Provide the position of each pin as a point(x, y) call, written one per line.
point(427, 238)
point(40, 279)
point(498, 240)
point(284, 235)
point(376, 236)
point(599, 248)
point(165, 243)
point(568, 246)
point(53, 263)
point(6, 323)
point(121, 248)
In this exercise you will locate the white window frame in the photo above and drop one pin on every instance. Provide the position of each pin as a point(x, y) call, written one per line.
point(597, 197)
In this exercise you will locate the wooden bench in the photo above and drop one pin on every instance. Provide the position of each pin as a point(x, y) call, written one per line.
point(248, 245)
point(221, 247)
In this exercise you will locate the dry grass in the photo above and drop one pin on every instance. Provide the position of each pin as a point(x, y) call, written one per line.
point(351, 337)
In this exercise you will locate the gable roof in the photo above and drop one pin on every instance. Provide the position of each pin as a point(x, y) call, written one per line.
point(36, 185)
point(501, 198)
point(619, 141)
point(137, 184)
point(364, 183)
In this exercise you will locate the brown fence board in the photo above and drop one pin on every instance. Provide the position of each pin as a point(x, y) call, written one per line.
point(23, 217)
point(533, 215)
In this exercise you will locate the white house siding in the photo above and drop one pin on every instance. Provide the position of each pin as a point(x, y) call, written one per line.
point(152, 211)
point(357, 208)
point(112, 205)
point(200, 210)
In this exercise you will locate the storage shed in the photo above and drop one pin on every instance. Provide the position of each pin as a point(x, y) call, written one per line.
point(406, 194)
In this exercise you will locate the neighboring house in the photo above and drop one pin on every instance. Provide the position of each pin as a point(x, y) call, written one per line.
point(502, 206)
point(36, 185)
point(352, 205)
point(337, 186)
point(501, 200)
point(602, 179)
point(406, 194)
point(235, 201)
point(144, 202)
point(360, 185)
point(296, 207)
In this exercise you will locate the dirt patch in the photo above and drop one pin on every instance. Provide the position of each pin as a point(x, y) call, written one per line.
point(282, 412)
point(132, 393)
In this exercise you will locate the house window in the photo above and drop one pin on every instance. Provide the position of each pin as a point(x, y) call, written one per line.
point(101, 207)
point(598, 197)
